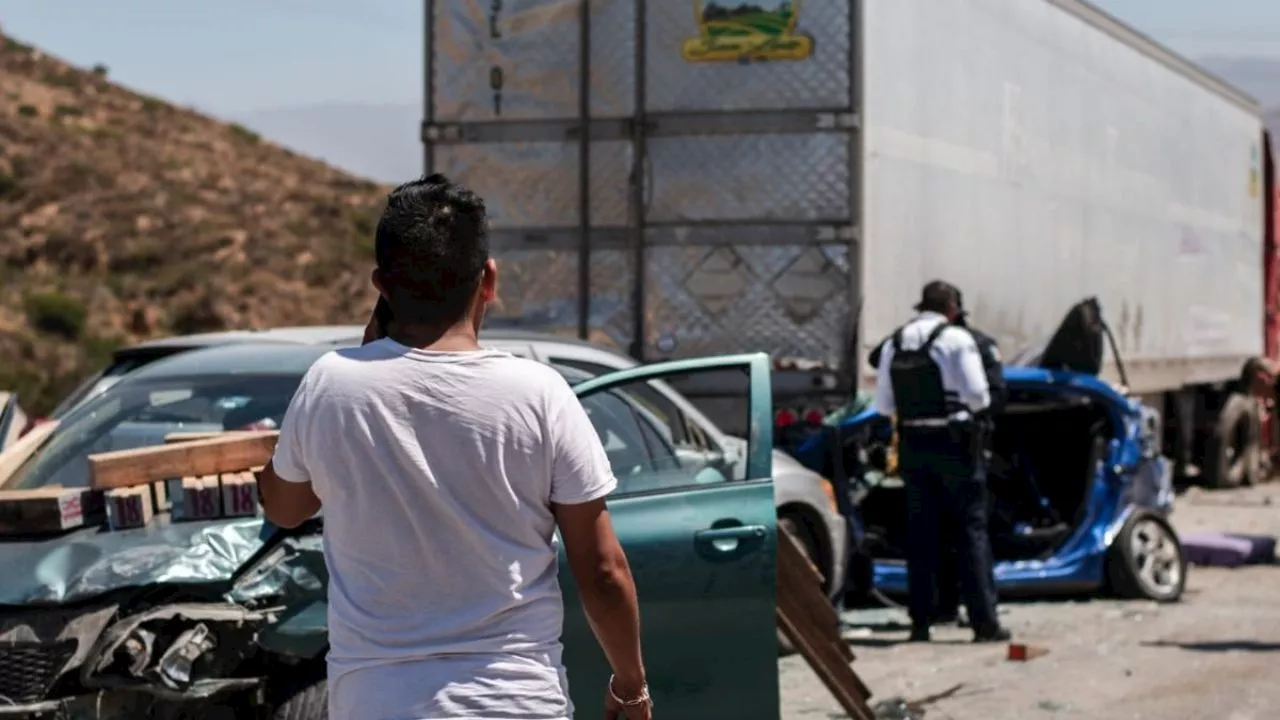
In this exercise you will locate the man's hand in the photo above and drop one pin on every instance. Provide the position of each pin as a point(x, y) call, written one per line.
point(376, 328)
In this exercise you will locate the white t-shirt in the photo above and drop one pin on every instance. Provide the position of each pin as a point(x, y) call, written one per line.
point(437, 472)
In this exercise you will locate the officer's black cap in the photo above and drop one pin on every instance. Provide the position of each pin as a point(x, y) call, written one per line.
point(937, 296)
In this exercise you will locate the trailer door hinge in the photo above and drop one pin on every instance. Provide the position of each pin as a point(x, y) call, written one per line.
point(436, 133)
point(837, 121)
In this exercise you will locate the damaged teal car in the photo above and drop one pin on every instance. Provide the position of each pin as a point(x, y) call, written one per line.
point(227, 617)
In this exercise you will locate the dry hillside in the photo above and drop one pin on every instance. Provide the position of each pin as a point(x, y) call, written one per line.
point(123, 217)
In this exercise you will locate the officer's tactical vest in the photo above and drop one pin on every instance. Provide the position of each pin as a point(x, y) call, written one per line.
point(917, 381)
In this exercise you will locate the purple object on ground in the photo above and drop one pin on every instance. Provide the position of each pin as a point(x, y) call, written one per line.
point(1262, 548)
point(1216, 549)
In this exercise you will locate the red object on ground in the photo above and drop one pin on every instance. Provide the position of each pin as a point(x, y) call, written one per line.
point(1022, 653)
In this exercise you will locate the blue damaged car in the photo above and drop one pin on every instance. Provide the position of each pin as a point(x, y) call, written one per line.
point(1079, 493)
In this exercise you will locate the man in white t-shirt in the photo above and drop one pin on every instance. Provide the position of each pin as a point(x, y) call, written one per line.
point(444, 471)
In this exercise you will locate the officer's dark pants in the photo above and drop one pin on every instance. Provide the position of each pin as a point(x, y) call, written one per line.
point(945, 480)
point(948, 595)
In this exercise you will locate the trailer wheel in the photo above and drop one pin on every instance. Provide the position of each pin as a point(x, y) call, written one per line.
point(1146, 560)
point(1234, 456)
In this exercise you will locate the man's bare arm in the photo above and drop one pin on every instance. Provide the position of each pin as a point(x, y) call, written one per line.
point(606, 587)
point(287, 504)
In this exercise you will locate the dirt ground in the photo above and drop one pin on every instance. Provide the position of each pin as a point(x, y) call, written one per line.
point(1215, 655)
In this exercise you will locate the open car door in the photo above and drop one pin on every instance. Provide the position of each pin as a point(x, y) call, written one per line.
point(1076, 346)
point(701, 544)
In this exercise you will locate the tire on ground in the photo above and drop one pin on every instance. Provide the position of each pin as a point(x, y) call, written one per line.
point(1234, 451)
point(1147, 537)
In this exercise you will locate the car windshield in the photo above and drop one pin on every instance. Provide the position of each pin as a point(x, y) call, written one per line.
point(141, 413)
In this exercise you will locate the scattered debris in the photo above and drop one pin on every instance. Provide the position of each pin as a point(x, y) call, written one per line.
point(897, 708)
point(1228, 549)
point(1019, 652)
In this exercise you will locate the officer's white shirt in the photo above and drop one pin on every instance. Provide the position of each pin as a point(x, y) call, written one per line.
point(957, 357)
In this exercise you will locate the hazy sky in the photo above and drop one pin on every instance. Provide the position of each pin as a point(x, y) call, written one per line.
point(233, 56)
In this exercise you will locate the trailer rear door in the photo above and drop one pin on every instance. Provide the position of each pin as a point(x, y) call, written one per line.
point(734, 230)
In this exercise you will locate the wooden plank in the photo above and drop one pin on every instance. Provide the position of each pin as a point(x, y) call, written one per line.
point(239, 495)
point(213, 456)
point(13, 456)
point(806, 618)
point(181, 437)
point(129, 507)
point(52, 509)
point(795, 570)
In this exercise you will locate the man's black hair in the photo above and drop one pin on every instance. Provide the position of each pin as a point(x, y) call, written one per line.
point(938, 296)
point(431, 246)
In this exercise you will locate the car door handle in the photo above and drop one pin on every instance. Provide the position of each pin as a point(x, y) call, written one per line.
point(725, 543)
point(737, 532)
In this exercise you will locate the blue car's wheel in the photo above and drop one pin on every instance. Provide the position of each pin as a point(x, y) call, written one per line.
point(1146, 560)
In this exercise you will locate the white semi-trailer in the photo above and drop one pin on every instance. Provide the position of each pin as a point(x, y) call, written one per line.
point(684, 177)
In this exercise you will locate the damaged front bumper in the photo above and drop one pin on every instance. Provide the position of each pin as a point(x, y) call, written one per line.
point(163, 644)
point(54, 660)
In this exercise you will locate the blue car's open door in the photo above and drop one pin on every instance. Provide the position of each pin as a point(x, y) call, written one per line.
point(699, 531)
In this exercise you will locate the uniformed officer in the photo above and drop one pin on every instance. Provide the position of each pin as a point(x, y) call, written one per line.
point(993, 367)
point(930, 377)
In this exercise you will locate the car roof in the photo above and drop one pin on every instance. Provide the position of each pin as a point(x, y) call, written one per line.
point(314, 335)
point(259, 358)
point(328, 335)
point(241, 358)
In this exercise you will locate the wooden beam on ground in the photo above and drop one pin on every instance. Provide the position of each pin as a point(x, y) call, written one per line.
point(213, 456)
point(808, 620)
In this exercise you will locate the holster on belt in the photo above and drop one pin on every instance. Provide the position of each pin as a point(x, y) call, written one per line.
point(968, 434)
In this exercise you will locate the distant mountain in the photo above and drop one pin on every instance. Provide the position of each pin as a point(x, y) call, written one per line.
point(123, 217)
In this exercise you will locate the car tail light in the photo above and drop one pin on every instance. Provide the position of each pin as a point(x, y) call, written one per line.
point(814, 417)
point(784, 418)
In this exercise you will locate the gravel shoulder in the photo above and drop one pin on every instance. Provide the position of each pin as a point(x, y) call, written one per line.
point(1214, 655)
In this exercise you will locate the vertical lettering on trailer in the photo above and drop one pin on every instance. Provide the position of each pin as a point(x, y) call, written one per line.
point(495, 73)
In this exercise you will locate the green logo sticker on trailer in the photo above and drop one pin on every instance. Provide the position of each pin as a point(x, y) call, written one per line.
point(733, 31)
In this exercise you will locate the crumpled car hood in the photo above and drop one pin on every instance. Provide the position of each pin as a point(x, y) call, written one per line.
point(91, 561)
